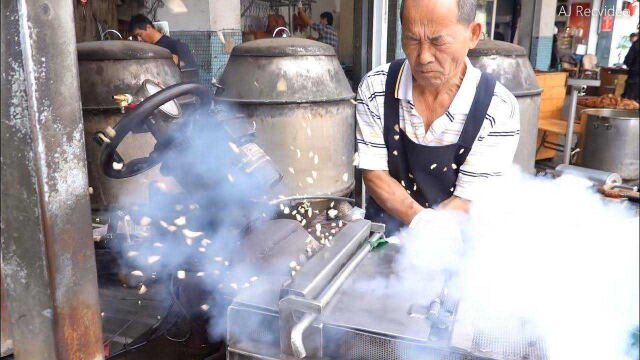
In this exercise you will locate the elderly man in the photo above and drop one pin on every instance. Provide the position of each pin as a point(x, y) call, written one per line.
point(432, 129)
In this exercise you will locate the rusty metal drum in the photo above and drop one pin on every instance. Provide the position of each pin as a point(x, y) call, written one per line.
point(107, 68)
point(509, 64)
point(300, 100)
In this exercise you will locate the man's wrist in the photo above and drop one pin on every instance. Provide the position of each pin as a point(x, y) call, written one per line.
point(419, 213)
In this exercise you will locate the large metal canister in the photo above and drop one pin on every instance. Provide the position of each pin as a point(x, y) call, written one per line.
point(611, 142)
point(108, 68)
point(301, 102)
point(509, 64)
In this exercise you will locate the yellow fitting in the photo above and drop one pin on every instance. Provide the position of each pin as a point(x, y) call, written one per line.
point(122, 100)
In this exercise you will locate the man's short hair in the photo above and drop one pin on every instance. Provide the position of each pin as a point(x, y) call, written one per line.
point(327, 16)
point(139, 21)
point(466, 11)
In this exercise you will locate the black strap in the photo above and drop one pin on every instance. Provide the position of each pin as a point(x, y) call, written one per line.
point(475, 118)
point(391, 102)
point(478, 111)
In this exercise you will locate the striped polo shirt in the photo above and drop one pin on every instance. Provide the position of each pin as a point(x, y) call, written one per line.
point(492, 152)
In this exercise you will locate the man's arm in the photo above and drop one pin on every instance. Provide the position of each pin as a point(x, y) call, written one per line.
point(389, 194)
point(372, 151)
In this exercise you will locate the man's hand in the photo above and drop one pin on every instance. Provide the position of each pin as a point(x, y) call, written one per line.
point(390, 195)
point(455, 203)
point(303, 15)
point(395, 200)
point(433, 241)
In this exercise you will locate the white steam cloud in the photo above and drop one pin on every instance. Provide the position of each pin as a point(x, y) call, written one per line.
point(551, 251)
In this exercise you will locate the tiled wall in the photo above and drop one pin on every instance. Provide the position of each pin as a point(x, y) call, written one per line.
point(209, 51)
point(541, 52)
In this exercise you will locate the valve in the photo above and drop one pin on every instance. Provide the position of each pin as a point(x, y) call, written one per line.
point(123, 100)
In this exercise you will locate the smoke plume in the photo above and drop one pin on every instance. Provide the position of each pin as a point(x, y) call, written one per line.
point(551, 251)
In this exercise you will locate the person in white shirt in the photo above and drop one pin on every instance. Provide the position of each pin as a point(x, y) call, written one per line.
point(432, 129)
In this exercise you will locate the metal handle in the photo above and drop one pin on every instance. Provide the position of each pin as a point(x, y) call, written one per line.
point(287, 34)
point(297, 343)
point(110, 31)
point(606, 125)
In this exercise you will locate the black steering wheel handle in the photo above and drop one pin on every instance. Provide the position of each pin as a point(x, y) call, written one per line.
point(140, 116)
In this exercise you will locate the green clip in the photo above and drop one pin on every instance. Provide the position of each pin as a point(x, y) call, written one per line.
point(378, 243)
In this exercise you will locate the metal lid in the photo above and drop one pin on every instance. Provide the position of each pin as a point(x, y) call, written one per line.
point(277, 47)
point(494, 47)
point(120, 50)
point(283, 71)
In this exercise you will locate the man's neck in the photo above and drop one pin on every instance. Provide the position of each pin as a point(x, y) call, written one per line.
point(157, 36)
point(447, 89)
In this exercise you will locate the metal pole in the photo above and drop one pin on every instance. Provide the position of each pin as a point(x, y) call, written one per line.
point(289, 10)
point(493, 18)
point(568, 142)
point(364, 38)
point(361, 191)
point(378, 53)
point(48, 261)
point(379, 40)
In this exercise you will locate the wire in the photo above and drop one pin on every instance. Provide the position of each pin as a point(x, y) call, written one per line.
point(184, 312)
point(153, 331)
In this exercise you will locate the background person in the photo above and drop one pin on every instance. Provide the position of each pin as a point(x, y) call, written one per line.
point(632, 62)
point(324, 28)
point(141, 28)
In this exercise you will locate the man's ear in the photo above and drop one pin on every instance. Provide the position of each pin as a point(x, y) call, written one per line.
point(475, 28)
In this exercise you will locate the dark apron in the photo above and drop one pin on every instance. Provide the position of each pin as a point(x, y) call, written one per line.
point(428, 173)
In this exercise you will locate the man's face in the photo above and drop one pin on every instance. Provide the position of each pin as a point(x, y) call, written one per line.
point(145, 35)
point(435, 43)
point(323, 21)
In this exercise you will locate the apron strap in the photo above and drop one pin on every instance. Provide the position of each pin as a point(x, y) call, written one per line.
point(478, 111)
point(391, 103)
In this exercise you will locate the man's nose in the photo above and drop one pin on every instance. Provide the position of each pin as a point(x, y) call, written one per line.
point(426, 55)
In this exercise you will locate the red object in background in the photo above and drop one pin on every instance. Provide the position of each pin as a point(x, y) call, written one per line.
point(631, 7)
point(606, 23)
point(579, 18)
point(84, 3)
